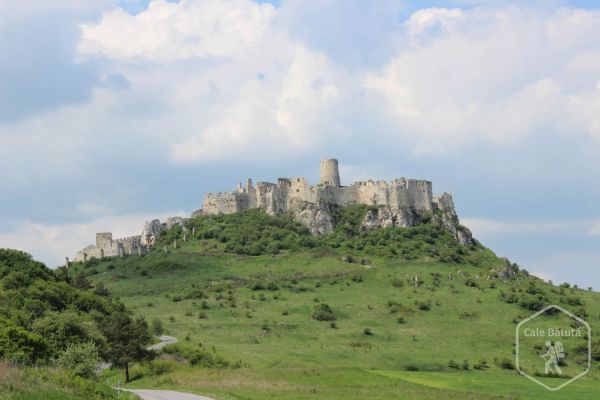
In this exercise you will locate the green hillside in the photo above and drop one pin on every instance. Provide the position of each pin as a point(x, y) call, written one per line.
point(264, 310)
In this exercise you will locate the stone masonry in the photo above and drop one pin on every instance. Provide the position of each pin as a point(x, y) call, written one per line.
point(401, 202)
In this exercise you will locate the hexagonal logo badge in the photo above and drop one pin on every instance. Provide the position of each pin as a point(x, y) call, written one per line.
point(553, 347)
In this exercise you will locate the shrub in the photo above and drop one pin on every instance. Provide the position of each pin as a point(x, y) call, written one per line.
point(368, 331)
point(506, 364)
point(200, 358)
point(80, 359)
point(156, 327)
point(471, 283)
point(398, 283)
point(453, 364)
point(469, 316)
point(161, 367)
point(322, 312)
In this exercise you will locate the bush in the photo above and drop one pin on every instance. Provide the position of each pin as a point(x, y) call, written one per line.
point(469, 316)
point(80, 359)
point(398, 283)
point(161, 367)
point(322, 312)
point(200, 358)
point(157, 327)
point(506, 364)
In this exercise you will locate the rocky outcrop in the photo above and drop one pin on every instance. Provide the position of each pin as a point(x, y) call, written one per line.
point(173, 221)
point(384, 217)
point(151, 232)
point(318, 218)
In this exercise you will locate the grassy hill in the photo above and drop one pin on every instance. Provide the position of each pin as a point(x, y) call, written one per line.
point(263, 310)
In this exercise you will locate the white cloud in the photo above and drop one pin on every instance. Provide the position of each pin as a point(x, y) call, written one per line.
point(169, 31)
point(423, 20)
point(491, 74)
point(51, 243)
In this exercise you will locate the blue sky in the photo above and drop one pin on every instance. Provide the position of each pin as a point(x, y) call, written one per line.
point(114, 112)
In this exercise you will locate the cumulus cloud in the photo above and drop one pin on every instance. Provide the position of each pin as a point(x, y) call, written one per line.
point(249, 76)
point(491, 74)
point(167, 31)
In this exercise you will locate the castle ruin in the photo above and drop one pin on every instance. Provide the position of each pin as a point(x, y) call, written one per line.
point(106, 246)
point(399, 203)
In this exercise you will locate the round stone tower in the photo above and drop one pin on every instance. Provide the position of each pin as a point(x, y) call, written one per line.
point(329, 172)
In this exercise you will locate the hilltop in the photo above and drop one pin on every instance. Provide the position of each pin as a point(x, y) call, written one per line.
point(264, 309)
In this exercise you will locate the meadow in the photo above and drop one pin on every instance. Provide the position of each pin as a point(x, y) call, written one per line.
point(399, 313)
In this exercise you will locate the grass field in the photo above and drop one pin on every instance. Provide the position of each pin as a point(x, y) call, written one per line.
point(450, 336)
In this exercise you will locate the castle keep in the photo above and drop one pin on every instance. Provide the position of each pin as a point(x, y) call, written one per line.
point(400, 203)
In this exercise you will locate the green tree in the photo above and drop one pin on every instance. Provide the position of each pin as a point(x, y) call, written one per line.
point(17, 341)
point(126, 338)
point(81, 282)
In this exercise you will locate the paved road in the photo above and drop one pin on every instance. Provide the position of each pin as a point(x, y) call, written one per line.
point(166, 395)
point(164, 341)
point(147, 394)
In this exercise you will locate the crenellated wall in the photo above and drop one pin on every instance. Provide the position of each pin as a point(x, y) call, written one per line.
point(278, 198)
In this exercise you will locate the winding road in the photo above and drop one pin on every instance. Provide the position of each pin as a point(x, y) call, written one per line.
point(147, 394)
point(164, 341)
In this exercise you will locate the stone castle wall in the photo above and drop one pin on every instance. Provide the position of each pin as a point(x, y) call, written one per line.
point(278, 198)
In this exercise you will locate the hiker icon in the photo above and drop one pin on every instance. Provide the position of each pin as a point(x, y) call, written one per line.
point(553, 355)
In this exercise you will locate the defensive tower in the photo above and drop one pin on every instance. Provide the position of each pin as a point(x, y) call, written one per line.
point(104, 240)
point(330, 173)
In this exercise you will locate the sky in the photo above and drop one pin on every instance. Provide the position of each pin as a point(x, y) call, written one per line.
point(116, 112)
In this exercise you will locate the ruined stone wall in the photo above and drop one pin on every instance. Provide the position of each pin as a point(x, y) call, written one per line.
point(220, 202)
point(104, 239)
point(279, 198)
